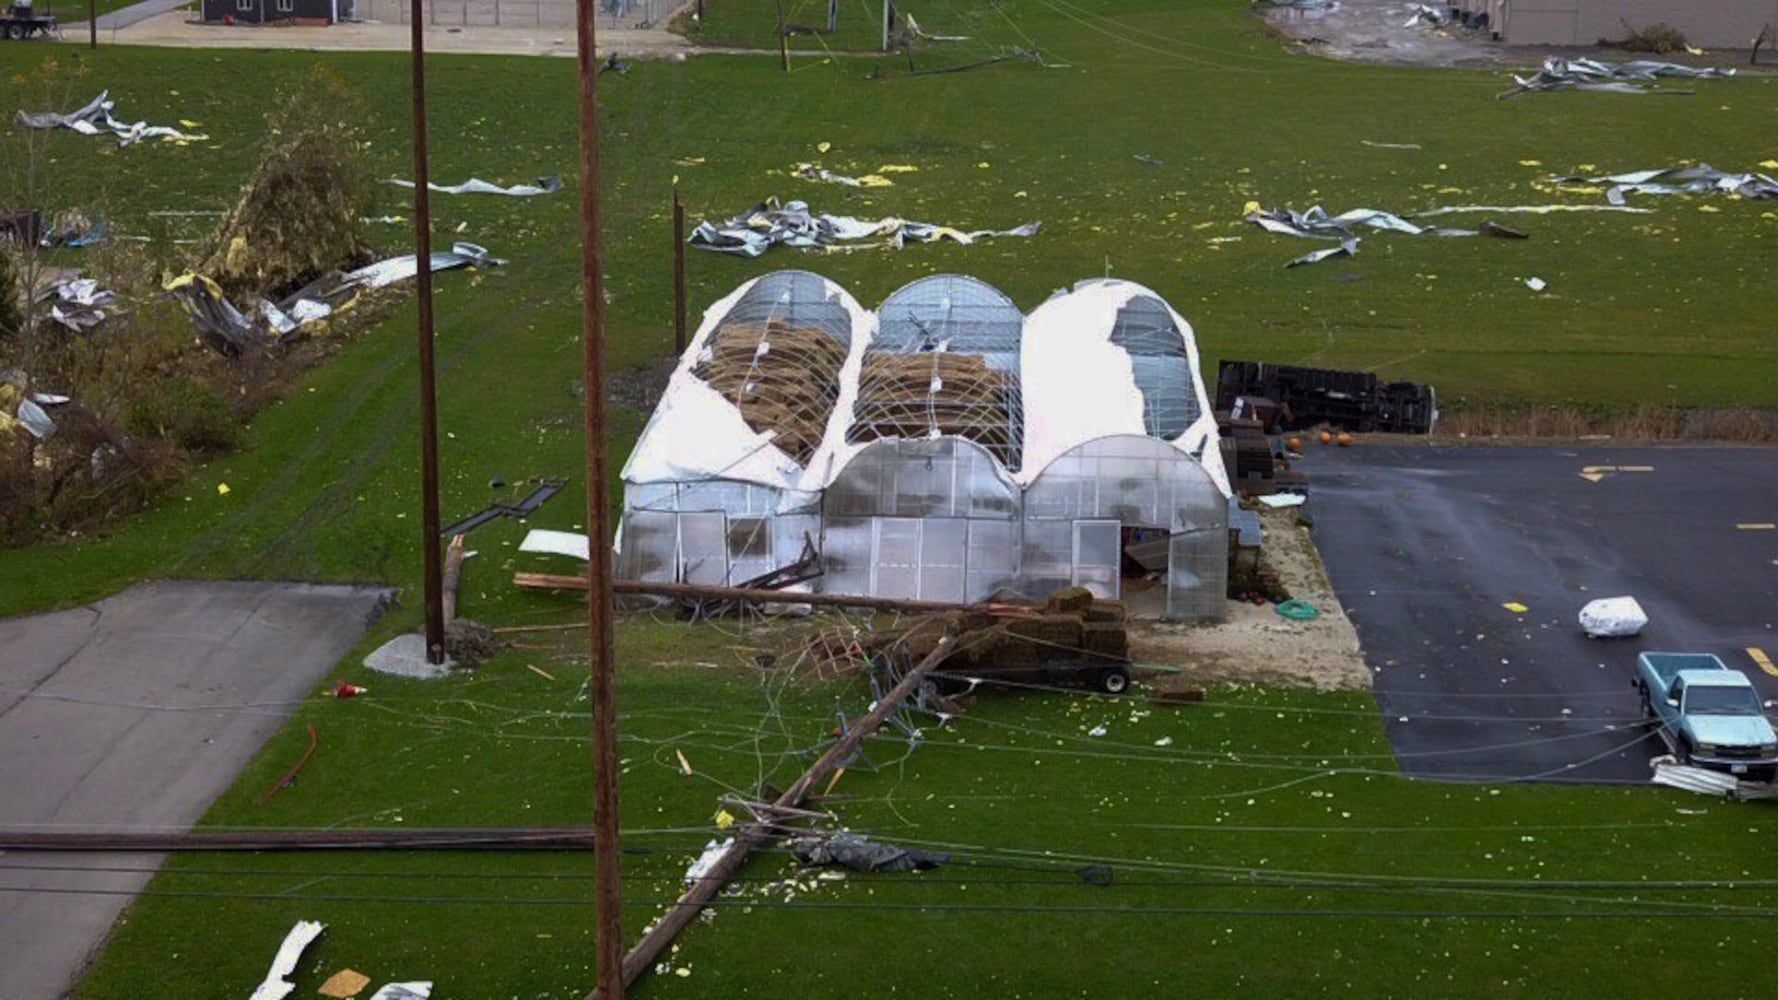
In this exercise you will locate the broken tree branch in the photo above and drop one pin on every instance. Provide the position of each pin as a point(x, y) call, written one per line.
point(554, 581)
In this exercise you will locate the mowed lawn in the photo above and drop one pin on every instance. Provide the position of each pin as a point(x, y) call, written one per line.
point(1673, 306)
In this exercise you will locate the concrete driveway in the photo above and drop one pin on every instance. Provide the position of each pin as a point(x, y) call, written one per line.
point(1425, 547)
point(138, 711)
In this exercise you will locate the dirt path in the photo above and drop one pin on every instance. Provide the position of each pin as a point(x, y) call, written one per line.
point(1377, 31)
point(1256, 645)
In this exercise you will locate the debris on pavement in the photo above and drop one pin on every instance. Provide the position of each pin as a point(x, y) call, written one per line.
point(344, 984)
point(1284, 500)
point(277, 984)
point(475, 185)
point(96, 119)
point(1297, 610)
point(1612, 617)
point(1619, 78)
point(793, 224)
point(862, 854)
point(1701, 179)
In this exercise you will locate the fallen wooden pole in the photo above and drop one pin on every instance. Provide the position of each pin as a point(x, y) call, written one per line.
point(578, 838)
point(556, 581)
point(453, 577)
point(642, 955)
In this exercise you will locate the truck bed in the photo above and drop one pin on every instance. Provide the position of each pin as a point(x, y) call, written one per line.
point(1666, 666)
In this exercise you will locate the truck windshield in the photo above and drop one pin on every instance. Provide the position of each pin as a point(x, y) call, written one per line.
point(1722, 701)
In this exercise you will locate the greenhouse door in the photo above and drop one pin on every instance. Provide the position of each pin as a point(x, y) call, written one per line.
point(1096, 557)
point(703, 548)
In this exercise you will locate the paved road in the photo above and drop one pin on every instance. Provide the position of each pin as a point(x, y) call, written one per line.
point(1425, 545)
point(122, 17)
point(103, 723)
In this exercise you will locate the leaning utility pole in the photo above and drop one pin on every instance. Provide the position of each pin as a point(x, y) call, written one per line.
point(434, 583)
point(601, 687)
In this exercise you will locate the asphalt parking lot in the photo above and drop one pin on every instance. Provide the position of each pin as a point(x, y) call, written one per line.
point(135, 712)
point(1426, 545)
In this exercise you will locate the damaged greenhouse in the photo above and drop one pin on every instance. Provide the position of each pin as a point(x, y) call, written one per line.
point(944, 447)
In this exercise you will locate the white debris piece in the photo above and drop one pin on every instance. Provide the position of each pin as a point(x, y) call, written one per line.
point(404, 991)
point(277, 984)
point(560, 543)
point(1536, 284)
point(707, 860)
point(1612, 617)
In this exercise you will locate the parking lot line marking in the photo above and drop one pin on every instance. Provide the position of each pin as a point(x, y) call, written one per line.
point(1765, 662)
point(1756, 526)
point(1595, 473)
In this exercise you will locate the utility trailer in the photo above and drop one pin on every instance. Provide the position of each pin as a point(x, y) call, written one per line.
point(1308, 397)
point(21, 22)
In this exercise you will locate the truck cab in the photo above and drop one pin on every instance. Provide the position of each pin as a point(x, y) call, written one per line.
point(1711, 714)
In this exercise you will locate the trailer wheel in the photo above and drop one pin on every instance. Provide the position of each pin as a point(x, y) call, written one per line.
point(16, 32)
point(1115, 680)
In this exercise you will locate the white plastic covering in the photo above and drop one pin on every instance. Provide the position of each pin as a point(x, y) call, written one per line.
point(1079, 385)
point(1613, 617)
point(695, 434)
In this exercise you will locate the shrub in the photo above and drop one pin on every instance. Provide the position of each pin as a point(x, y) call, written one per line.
point(187, 412)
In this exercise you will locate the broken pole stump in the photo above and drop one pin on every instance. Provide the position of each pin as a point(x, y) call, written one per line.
point(642, 955)
point(453, 577)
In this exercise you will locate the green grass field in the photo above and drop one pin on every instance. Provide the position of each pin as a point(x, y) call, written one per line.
point(1673, 306)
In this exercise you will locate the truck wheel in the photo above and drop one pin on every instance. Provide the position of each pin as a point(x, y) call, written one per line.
point(1115, 680)
point(1683, 752)
point(1648, 708)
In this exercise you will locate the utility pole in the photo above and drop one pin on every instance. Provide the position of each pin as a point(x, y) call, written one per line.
point(92, 24)
point(608, 902)
point(678, 273)
point(783, 41)
point(434, 583)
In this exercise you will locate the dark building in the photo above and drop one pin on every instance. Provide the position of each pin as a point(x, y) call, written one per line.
point(273, 11)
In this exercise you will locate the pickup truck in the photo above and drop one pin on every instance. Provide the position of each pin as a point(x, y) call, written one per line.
point(1710, 713)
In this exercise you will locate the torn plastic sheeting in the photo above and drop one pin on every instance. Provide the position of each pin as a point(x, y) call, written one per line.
point(1613, 617)
point(863, 854)
point(475, 185)
point(1621, 78)
point(277, 984)
point(404, 991)
point(1527, 210)
point(792, 224)
point(1345, 249)
point(39, 423)
point(560, 543)
point(1701, 179)
point(388, 272)
point(96, 119)
point(1316, 224)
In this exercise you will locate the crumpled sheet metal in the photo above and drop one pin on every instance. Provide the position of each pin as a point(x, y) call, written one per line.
point(388, 272)
point(35, 420)
point(792, 224)
point(95, 119)
point(1620, 78)
point(78, 303)
point(1701, 179)
point(277, 984)
point(231, 330)
point(1316, 224)
point(475, 185)
point(404, 991)
point(862, 854)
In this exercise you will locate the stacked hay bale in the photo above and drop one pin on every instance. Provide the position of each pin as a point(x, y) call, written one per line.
point(783, 379)
point(918, 395)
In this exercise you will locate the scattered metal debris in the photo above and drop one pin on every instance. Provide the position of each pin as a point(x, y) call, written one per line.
point(95, 119)
point(404, 991)
point(1389, 145)
point(1701, 179)
point(862, 854)
point(1613, 617)
point(1527, 210)
point(475, 185)
point(277, 984)
point(812, 172)
point(546, 488)
point(1618, 78)
point(792, 224)
point(1536, 284)
point(394, 269)
point(1316, 223)
point(78, 303)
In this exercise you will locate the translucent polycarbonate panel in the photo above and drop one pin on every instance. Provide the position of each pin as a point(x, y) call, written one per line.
point(749, 549)
point(703, 548)
point(951, 312)
point(1097, 556)
point(895, 570)
point(793, 299)
point(730, 496)
point(650, 546)
point(1144, 328)
point(943, 551)
point(846, 549)
point(1140, 482)
point(941, 477)
point(992, 563)
point(651, 496)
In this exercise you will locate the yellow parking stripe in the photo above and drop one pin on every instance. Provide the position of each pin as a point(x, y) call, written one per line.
point(1765, 662)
